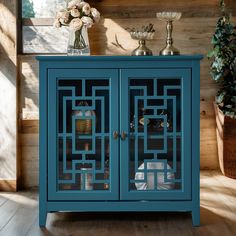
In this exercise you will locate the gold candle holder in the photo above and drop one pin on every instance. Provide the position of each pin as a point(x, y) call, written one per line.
point(169, 17)
point(142, 35)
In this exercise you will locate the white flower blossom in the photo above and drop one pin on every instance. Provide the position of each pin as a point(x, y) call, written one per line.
point(63, 17)
point(96, 14)
point(75, 12)
point(80, 5)
point(87, 21)
point(73, 3)
point(62, 14)
point(86, 9)
point(76, 24)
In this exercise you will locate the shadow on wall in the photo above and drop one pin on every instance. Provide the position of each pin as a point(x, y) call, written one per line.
point(109, 37)
point(28, 87)
point(7, 65)
point(7, 43)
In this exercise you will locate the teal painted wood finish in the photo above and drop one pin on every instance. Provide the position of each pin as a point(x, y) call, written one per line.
point(184, 192)
point(75, 74)
point(150, 164)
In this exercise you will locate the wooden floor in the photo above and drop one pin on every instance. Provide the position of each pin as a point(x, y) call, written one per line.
point(19, 216)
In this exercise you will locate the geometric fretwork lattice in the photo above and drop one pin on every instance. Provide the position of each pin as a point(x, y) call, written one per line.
point(155, 134)
point(83, 134)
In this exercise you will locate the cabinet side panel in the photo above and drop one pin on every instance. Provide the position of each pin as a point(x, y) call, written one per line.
point(196, 142)
point(43, 144)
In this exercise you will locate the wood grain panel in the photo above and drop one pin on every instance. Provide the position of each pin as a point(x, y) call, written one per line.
point(191, 35)
point(167, 3)
point(8, 185)
point(8, 94)
point(30, 160)
point(142, 9)
point(29, 126)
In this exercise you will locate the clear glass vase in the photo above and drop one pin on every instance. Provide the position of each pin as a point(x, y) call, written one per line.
point(78, 43)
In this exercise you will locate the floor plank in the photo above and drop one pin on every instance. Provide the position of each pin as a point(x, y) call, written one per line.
point(2, 200)
point(23, 218)
point(10, 207)
point(19, 216)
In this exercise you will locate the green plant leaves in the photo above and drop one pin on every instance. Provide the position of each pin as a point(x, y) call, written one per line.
point(223, 66)
point(210, 54)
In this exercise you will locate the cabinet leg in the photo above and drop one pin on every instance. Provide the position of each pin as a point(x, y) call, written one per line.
point(42, 218)
point(196, 217)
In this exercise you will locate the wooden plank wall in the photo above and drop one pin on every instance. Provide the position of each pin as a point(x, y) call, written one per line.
point(192, 35)
point(8, 94)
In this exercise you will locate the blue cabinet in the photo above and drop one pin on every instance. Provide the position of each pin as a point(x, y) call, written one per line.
point(119, 133)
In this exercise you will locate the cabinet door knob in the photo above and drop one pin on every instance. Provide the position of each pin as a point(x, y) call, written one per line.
point(123, 135)
point(115, 134)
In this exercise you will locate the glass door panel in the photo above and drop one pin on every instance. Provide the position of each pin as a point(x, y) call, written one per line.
point(158, 160)
point(82, 118)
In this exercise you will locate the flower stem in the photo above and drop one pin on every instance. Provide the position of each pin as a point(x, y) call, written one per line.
point(79, 42)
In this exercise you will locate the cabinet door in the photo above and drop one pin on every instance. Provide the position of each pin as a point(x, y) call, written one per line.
point(155, 117)
point(82, 152)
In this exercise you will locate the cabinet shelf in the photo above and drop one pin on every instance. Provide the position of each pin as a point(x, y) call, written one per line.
point(83, 136)
point(130, 135)
point(155, 136)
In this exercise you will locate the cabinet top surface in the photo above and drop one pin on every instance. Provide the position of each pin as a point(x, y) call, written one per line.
point(119, 58)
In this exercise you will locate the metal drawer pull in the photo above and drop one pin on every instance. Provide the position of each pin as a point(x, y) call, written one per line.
point(123, 135)
point(115, 134)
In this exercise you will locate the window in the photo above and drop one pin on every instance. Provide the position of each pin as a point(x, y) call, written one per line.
point(38, 34)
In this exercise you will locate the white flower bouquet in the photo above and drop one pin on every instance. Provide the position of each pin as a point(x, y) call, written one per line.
point(77, 15)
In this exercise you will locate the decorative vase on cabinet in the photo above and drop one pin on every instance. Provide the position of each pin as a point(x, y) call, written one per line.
point(142, 153)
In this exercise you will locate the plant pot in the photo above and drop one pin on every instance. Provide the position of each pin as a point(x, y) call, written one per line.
point(226, 142)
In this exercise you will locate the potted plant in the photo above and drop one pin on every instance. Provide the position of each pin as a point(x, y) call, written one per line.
point(223, 71)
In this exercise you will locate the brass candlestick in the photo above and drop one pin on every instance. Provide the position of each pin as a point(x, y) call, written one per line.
point(169, 17)
point(142, 49)
point(142, 35)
